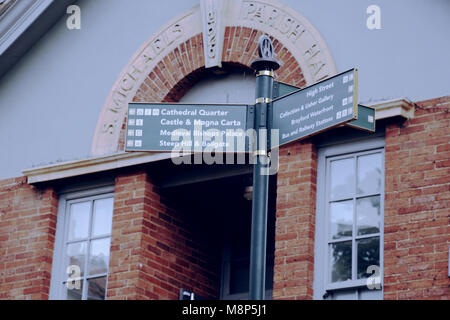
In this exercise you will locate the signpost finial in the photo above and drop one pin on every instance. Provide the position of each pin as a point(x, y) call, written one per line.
point(266, 59)
point(265, 47)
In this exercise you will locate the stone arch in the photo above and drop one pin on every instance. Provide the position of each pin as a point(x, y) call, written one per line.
point(173, 59)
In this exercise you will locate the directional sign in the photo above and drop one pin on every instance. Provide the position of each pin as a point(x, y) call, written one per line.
point(187, 127)
point(281, 89)
point(366, 115)
point(324, 105)
point(366, 119)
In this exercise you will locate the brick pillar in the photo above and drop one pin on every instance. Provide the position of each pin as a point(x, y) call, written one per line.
point(417, 201)
point(295, 222)
point(154, 250)
point(27, 235)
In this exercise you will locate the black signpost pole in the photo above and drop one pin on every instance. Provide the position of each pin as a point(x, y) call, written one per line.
point(264, 67)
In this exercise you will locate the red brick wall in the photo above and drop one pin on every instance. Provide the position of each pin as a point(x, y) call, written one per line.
point(417, 202)
point(155, 249)
point(295, 222)
point(27, 233)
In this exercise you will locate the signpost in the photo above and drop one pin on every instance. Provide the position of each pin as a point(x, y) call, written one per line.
point(264, 67)
point(296, 113)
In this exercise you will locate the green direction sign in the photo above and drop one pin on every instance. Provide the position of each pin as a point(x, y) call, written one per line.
point(366, 119)
point(311, 110)
point(281, 89)
point(166, 127)
point(366, 115)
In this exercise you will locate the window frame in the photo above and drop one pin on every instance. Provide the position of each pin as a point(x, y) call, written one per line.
point(59, 274)
point(354, 237)
point(322, 272)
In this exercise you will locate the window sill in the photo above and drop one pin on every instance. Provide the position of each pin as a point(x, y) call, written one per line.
point(351, 284)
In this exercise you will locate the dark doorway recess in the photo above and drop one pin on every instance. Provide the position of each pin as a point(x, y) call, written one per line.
point(220, 217)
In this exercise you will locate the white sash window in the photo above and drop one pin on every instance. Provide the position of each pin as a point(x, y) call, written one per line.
point(82, 246)
point(349, 234)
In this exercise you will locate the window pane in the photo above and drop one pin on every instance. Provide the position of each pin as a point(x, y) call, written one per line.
point(103, 212)
point(76, 253)
point(99, 256)
point(342, 178)
point(341, 261)
point(368, 215)
point(96, 288)
point(341, 219)
point(368, 254)
point(369, 173)
point(74, 293)
point(79, 220)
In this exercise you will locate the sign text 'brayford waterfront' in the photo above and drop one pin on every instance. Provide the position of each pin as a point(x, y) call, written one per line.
point(187, 127)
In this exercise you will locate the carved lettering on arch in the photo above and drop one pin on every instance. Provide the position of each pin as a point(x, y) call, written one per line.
point(317, 68)
point(312, 52)
point(213, 33)
point(173, 33)
point(294, 31)
point(272, 17)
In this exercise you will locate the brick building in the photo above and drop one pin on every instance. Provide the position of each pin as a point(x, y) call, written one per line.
point(137, 226)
